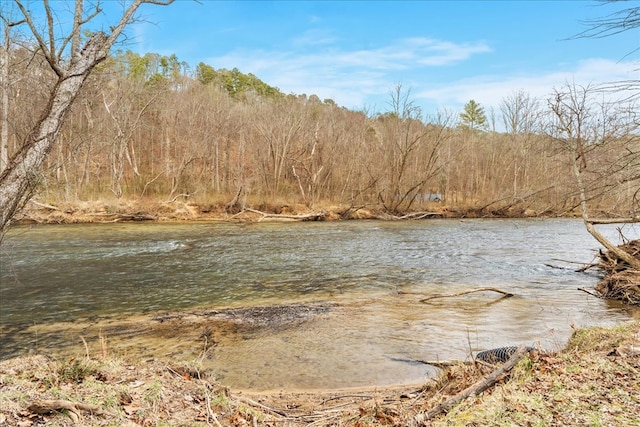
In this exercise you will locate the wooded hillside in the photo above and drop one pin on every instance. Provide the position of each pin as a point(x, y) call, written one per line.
point(151, 127)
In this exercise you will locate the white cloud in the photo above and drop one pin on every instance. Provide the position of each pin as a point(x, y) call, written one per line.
point(316, 63)
point(438, 53)
point(347, 76)
point(314, 37)
point(490, 90)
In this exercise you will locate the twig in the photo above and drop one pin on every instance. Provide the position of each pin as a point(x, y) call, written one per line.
point(436, 363)
point(593, 294)
point(343, 396)
point(506, 294)
point(86, 346)
point(567, 261)
point(473, 390)
point(212, 414)
point(260, 405)
point(173, 371)
point(324, 420)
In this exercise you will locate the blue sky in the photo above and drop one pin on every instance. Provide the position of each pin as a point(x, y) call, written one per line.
point(355, 52)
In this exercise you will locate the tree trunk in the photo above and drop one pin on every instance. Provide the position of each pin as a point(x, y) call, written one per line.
point(5, 58)
point(621, 254)
point(20, 178)
point(4, 77)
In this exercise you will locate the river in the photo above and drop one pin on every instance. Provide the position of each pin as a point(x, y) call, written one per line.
point(369, 276)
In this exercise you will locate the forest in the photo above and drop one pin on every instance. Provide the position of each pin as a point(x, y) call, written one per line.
point(150, 127)
point(82, 123)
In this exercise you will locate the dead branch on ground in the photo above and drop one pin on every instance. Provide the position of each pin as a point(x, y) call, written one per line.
point(260, 405)
point(422, 418)
point(419, 215)
point(317, 216)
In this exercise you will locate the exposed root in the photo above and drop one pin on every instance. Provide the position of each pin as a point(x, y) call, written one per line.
point(42, 407)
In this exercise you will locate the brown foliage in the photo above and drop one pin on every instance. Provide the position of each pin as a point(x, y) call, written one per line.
point(182, 140)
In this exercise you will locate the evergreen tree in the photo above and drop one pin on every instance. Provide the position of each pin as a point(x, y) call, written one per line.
point(474, 116)
point(205, 73)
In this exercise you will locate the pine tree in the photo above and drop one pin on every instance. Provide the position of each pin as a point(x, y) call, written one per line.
point(473, 116)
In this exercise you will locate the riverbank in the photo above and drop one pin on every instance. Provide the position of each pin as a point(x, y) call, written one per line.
point(593, 381)
point(103, 211)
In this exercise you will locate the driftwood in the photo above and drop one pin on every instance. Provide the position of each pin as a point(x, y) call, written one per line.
point(126, 217)
point(44, 205)
point(473, 390)
point(505, 294)
point(593, 294)
point(43, 407)
point(419, 215)
point(317, 216)
point(622, 279)
point(614, 220)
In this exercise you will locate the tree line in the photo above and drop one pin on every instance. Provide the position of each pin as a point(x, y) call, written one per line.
point(148, 126)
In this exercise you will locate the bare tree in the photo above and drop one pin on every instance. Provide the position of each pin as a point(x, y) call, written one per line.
point(409, 152)
point(520, 113)
point(612, 24)
point(587, 130)
point(279, 126)
point(19, 179)
point(521, 116)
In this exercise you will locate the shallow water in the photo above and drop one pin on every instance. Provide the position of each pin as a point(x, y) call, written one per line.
point(377, 272)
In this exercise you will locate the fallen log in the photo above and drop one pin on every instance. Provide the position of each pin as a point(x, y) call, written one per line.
point(419, 215)
point(595, 221)
point(457, 294)
point(117, 217)
point(317, 216)
point(422, 418)
point(44, 205)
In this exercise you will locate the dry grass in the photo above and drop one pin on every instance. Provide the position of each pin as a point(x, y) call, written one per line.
point(593, 382)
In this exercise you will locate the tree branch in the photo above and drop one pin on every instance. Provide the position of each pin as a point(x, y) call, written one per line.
point(474, 390)
point(42, 44)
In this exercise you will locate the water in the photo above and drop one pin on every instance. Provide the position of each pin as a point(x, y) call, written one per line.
point(373, 273)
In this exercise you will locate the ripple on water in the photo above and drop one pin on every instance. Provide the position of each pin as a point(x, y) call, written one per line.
point(376, 273)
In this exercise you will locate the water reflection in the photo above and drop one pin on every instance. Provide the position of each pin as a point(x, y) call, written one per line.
point(376, 273)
